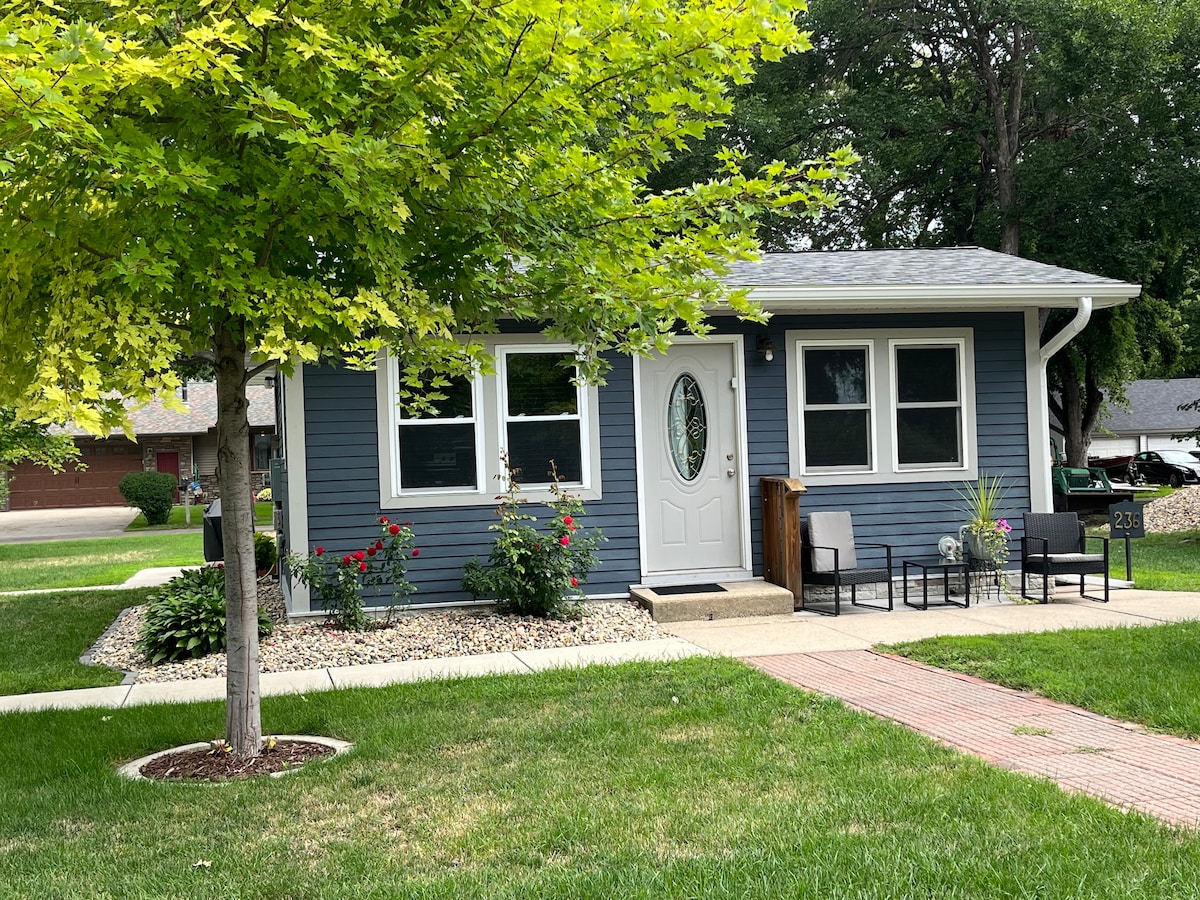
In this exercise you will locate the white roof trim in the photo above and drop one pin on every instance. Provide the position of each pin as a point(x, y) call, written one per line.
point(940, 297)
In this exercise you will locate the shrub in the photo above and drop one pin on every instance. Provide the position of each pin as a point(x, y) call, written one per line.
point(263, 496)
point(531, 571)
point(186, 619)
point(265, 552)
point(339, 584)
point(151, 492)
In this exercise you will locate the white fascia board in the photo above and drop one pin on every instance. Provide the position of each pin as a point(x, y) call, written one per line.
point(942, 298)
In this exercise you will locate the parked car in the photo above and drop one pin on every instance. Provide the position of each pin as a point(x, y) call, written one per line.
point(1173, 467)
point(1195, 453)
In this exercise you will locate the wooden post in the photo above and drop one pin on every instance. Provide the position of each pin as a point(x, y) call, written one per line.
point(781, 534)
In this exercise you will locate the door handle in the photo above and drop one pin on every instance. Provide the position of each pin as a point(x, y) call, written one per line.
point(729, 472)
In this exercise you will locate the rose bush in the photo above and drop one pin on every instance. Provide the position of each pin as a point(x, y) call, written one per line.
point(380, 571)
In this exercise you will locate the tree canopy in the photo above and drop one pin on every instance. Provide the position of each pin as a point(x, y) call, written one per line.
point(309, 180)
point(1064, 132)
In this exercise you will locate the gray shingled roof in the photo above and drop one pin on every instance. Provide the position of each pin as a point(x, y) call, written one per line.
point(202, 411)
point(916, 267)
point(1154, 407)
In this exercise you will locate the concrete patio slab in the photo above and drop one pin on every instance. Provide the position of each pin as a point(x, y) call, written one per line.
point(765, 635)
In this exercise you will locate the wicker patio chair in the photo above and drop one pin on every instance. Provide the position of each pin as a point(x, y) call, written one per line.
point(830, 558)
point(1055, 544)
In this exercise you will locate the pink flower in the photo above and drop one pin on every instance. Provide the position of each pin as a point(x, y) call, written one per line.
point(565, 540)
point(393, 529)
point(320, 551)
point(1003, 526)
point(574, 581)
point(416, 552)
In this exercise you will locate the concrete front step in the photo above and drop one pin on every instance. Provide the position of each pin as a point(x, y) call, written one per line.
point(739, 599)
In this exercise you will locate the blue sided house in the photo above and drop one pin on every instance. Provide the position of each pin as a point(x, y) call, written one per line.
point(884, 380)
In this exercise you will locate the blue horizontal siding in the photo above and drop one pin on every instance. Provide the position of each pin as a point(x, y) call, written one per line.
point(343, 465)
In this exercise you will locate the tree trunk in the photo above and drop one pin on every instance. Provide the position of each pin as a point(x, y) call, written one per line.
point(1079, 409)
point(243, 714)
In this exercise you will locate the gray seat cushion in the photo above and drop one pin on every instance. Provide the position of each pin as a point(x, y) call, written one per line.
point(831, 529)
point(1068, 557)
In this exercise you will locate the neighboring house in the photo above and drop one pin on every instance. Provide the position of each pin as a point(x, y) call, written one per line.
point(884, 380)
point(1152, 417)
point(181, 443)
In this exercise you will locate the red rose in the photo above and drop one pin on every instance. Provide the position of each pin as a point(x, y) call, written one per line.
point(564, 540)
point(393, 529)
point(567, 520)
point(362, 567)
point(346, 560)
point(371, 551)
point(379, 545)
point(320, 551)
point(408, 524)
point(416, 552)
point(360, 556)
point(383, 520)
point(574, 581)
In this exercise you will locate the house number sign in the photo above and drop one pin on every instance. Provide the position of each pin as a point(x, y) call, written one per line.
point(1125, 521)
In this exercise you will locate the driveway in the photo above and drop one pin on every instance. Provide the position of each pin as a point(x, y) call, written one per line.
point(24, 525)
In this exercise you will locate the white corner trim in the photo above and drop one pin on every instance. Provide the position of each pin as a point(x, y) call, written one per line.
point(1038, 412)
point(296, 455)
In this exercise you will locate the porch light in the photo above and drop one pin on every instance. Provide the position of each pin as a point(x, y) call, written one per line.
point(766, 347)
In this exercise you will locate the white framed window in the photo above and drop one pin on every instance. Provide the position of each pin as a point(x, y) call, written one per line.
point(541, 414)
point(878, 407)
point(837, 398)
point(528, 410)
point(440, 449)
point(927, 380)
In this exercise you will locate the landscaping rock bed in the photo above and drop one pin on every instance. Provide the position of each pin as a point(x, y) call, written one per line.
point(424, 635)
point(1178, 512)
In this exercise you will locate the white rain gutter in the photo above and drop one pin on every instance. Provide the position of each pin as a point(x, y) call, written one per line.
point(1040, 483)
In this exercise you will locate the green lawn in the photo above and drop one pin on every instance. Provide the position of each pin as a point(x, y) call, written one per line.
point(1149, 675)
point(42, 637)
point(700, 778)
point(1167, 561)
point(262, 516)
point(99, 561)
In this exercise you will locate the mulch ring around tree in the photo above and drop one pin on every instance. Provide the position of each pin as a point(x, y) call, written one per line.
point(210, 762)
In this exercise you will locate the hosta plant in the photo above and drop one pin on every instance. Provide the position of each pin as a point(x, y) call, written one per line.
point(186, 619)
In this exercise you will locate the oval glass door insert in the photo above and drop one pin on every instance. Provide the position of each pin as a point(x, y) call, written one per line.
point(687, 427)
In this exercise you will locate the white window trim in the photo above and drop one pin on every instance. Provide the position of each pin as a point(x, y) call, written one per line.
point(960, 346)
point(490, 435)
point(871, 405)
point(883, 392)
point(397, 420)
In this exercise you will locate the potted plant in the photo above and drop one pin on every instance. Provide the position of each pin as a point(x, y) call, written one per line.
point(985, 535)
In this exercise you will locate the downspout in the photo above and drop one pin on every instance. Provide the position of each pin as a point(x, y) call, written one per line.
point(1040, 484)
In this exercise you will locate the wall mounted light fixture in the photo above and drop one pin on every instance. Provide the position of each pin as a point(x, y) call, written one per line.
point(766, 348)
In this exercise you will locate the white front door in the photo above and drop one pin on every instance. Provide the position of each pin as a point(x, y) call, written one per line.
point(691, 467)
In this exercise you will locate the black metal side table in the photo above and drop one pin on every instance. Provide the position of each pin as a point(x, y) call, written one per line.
point(947, 567)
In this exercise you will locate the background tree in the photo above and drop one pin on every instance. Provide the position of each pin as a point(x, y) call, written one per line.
point(30, 442)
point(1062, 131)
point(317, 180)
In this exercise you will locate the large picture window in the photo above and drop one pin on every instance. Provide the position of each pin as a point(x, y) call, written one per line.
point(881, 407)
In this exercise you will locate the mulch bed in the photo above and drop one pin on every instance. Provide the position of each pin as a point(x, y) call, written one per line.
point(209, 764)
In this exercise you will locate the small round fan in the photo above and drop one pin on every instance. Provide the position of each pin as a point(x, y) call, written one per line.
point(947, 546)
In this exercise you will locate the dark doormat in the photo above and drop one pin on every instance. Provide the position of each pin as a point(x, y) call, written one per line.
point(689, 589)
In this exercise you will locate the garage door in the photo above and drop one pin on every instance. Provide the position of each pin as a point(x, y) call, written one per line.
point(1164, 442)
point(1113, 446)
point(34, 487)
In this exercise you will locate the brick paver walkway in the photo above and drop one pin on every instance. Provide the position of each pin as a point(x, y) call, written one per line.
point(1082, 751)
